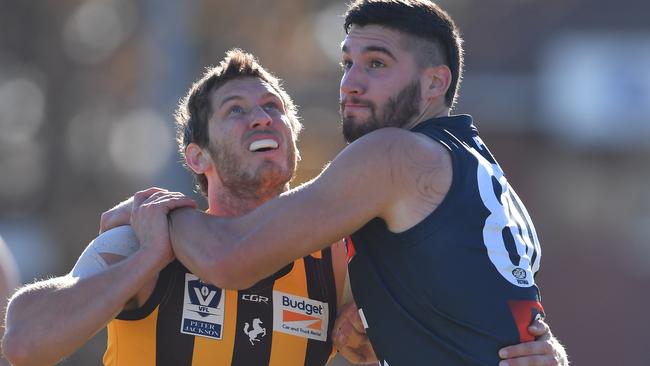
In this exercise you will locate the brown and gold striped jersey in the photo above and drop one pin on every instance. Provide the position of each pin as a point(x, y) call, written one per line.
point(283, 320)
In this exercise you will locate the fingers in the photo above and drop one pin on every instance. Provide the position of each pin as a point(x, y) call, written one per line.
point(348, 328)
point(533, 348)
point(545, 360)
point(165, 198)
point(350, 312)
point(169, 200)
point(156, 201)
point(348, 336)
point(539, 328)
point(364, 355)
point(141, 196)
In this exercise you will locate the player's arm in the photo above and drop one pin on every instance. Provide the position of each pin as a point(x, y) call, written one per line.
point(50, 319)
point(546, 350)
point(340, 269)
point(366, 180)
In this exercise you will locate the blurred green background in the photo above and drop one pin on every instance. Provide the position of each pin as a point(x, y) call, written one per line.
point(560, 91)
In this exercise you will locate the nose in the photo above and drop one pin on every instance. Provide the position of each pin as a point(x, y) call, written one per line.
point(260, 118)
point(352, 82)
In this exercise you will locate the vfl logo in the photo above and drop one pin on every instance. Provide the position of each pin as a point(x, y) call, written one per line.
point(300, 316)
point(203, 308)
point(256, 332)
point(204, 295)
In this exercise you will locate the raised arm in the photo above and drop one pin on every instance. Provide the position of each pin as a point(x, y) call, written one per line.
point(370, 178)
point(72, 308)
point(114, 272)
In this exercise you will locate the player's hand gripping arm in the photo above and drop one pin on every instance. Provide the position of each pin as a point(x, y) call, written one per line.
point(50, 319)
point(349, 336)
point(546, 350)
point(355, 188)
point(120, 214)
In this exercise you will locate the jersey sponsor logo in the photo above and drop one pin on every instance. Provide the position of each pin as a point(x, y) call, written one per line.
point(203, 308)
point(256, 332)
point(255, 298)
point(300, 316)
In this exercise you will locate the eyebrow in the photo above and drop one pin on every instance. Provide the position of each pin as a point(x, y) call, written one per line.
point(239, 97)
point(367, 49)
point(228, 99)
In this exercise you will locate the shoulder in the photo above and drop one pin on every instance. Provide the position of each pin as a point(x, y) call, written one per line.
point(420, 170)
point(400, 153)
point(396, 143)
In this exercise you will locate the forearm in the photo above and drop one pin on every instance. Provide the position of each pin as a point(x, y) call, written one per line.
point(70, 310)
point(190, 233)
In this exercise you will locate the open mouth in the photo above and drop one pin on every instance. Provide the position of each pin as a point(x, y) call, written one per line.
point(263, 145)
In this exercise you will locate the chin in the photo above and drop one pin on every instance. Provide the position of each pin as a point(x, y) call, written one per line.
point(272, 173)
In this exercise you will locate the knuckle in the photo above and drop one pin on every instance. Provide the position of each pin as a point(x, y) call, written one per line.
point(547, 347)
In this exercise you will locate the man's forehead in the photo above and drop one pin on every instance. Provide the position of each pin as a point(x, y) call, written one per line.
point(359, 38)
point(244, 87)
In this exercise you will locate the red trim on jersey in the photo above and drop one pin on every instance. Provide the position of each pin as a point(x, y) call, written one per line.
point(350, 248)
point(524, 312)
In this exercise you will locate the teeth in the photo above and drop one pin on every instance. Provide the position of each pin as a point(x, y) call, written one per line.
point(263, 144)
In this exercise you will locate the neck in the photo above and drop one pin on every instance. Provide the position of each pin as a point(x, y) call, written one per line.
point(224, 202)
point(430, 111)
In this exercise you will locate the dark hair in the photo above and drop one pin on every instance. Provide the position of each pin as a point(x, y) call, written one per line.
point(195, 109)
point(420, 18)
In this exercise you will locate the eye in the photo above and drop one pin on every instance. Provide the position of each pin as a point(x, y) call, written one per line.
point(271, 106)
point(376, 64)
point(235, 109)
point(345, 65)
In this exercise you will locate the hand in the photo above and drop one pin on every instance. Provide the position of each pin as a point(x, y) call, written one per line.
point(349, 336)
point(121, 213)
point(546, 350)
point(149, 220)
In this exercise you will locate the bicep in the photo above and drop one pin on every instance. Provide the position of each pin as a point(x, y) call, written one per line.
point(355, 188)
point(108, 248)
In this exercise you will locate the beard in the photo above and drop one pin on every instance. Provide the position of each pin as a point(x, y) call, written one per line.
point(268, 180)
point(397, 112)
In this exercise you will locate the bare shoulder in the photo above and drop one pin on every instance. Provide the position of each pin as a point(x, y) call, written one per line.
point(420, 171)
point(108, 248)
point(401, 146)
point(390, 150)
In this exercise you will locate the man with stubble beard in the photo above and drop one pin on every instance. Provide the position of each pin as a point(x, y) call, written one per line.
point(445, 251)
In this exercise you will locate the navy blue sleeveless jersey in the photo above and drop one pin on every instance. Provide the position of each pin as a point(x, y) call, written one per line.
point(459, 285)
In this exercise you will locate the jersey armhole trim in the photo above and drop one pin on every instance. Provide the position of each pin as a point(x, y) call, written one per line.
point(162, 284)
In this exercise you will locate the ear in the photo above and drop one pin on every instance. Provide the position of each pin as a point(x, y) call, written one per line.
point(197, 159)
point(436, 81)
